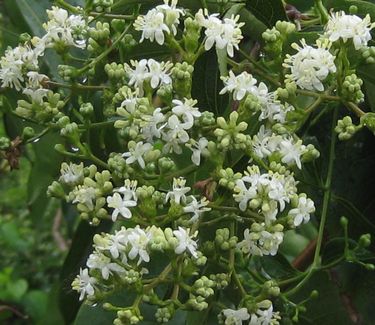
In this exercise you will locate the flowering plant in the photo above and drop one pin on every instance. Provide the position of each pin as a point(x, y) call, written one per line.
point(191, 147)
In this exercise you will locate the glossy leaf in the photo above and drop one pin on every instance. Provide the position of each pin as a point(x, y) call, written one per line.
point(267, 11)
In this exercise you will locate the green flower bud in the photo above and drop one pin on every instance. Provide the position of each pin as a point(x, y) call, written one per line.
point(365, 240)
point(5, 143)
point(56, 190)
point(351, 89)
point(368, 120)
point(191, 35)
point(67, 72)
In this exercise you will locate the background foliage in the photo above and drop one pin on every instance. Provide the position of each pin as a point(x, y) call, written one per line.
point(36, 268)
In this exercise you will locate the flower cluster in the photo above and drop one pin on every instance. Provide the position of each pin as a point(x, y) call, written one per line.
point(124, 255)
point(183, 184)
point(310, 66)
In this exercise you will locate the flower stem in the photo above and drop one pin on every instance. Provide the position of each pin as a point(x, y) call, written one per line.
point(326, 200)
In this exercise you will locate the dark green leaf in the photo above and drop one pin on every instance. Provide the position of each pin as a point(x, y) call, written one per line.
point(253, 27)
point(207, 84)
point(267, 11)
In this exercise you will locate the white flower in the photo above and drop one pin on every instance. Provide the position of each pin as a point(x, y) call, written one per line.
point(345, 27)
point(185, 242)
point(176, 135)
point(276, 191)
point(13, 63)
point(302, 212)
point(265, 317)
point(129, 190)
point(235, 317)
point(310, 66)
point(171, 14)
point(259, 241)
point(64, 28)
point(159, 73)
point(152, 26)
point(71, 174)
point(84, 284)
point(198, 147)
point(224, 34)
point(130, 102)
point(187, 111)
point(178, 192)
point(103, 263)
point(84, 195)
point(117, 243)
point(240, 85)
point(138, 240)
point(153, 125)
point(137, 75)
point(120, 205)
point(36, 95)
point(35, 79)
point(196, 208)
point(292, 151)
point(137, 152)
point(243, 194)
point(232, 33)
point(260, 142)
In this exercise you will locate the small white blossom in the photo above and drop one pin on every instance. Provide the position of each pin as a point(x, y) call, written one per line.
point(152, 26)
point(223, 33)
point(171, 14)
point(84, 284)
point(302, 212)
point(36, 95)
point(138, 240)
point(159, 73)
point(153, 125)
point(243, 194)
point(185, 242)
point(345, 27)
point(129, 190)
point(178, 192)
point(85, 195)
point(259, 241)
point(13, 64)
point(240, 85)
point(175, 136)
point(103, 263)
point(138, 72)
point(198, 147)
point(71, 174)
point(292, 151)
point(310, 66)
point(120, 205)
point(265, 317)
point(137, 152)
point(62, 27)
point(235, 317)
point(187, 111)
point(196, 208)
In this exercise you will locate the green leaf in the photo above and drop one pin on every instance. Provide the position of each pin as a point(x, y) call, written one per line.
point(329, 309)
point(253, 27)
point(11, 236)
point(35, 303)
point(267, 11)
point(17, 289)
point(207, 84)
